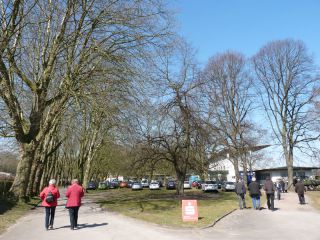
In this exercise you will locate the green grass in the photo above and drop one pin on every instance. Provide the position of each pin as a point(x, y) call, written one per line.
point(11, 211)
point(315, 197)
point(164, 206)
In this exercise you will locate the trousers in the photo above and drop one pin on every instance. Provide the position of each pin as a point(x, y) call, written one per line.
point(73, 213)
point(49, 219)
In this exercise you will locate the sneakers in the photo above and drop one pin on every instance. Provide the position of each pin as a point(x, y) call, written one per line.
point(50, 227)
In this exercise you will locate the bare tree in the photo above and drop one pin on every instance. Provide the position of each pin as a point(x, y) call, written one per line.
point(175, 125)
point(287, 85)
point(49, 51)
point(228, 90)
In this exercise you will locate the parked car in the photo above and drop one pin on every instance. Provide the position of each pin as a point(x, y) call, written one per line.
point(136, 186)
point(129, 183)
point(219, 184)
point(186, 185)
point(199, 184)
point(171, 185)
point(160, 182)
point(91, 185)
point(103, 185)
point(123, 184)
point(114, 184)
point(228, 186)
point(209, 186)
point(154, 185)
point(145, 183)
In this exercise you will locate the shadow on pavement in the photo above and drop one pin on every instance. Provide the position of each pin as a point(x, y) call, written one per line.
point(85, 225)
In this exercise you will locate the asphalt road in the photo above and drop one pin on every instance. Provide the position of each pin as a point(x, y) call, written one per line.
point(289, 221)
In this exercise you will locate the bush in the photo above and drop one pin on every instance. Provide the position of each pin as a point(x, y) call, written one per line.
point(5, 186)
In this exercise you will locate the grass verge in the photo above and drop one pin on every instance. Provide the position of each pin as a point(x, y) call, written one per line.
point(164, 206)
point(11, 211)
point(315, 197)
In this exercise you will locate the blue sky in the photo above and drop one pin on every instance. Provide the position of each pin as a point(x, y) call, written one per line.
point(213, 26)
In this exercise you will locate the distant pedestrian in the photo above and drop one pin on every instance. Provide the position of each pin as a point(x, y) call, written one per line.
point(300, 189)
point(255, 193)
point(278, 189)
point(49, 197)
point(241, 193)
point(269, 188)
point(74, 194)
point(283, 185)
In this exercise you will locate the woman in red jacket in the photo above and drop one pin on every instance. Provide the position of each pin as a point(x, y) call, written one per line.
point(74, 194)
point(49, 196)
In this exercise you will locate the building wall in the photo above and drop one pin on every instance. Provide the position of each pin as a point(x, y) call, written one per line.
point(276, 174)
point(224, 165)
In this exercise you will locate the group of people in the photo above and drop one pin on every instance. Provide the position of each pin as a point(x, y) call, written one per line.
point(49, 196)
point(270, 188)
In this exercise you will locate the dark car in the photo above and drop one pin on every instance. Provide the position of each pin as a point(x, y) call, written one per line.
point(199, 184)
point(171, 185)
point(129, 183)
point(114, 184)
point(91, 186)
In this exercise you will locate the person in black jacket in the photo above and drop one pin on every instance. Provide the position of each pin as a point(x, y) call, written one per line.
point(255, 193)
point(300, 189)
point(241, 192)
point(269, 188)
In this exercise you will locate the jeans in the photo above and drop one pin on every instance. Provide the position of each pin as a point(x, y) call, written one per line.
point(50, 211)
point(270, 201)
point(242, 202)
point(73, 213)
point(301, 198)
point(255, 201)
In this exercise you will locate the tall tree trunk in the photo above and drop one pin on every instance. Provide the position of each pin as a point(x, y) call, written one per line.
point(31, 189)
point(235, 163)
point(38, 177)
point(21, 180)
point(289, 162)
point(245, 168)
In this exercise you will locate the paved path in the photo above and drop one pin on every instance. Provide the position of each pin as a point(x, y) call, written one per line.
point(289, 221)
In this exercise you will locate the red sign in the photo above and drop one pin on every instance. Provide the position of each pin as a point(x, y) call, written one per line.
point(189, 210)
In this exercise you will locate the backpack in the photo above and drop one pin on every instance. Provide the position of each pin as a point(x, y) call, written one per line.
point(49, 197)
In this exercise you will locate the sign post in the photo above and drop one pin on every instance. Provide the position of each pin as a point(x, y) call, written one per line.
point(189, 210)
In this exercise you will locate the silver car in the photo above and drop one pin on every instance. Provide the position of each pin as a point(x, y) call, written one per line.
point(228, 186)
point(209, 186)
point(154, 185)
point(136, 186)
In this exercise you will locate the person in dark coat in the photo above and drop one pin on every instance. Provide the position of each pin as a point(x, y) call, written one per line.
point(241, 192)
point(300, 189)
point(255, 193)
point(269, 188)
point(74, 194)
point(50, 207)
point(283, 185)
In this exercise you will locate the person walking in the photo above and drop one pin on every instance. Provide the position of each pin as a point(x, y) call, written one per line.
point(300, 189)
point(278, 189)
point(254, 190)
point(241, 192)
point(74, 194)
point(49, 196)
point(283, 185)
point(269, 188)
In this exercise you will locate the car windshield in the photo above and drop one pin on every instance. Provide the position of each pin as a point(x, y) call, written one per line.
point(230, 183)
